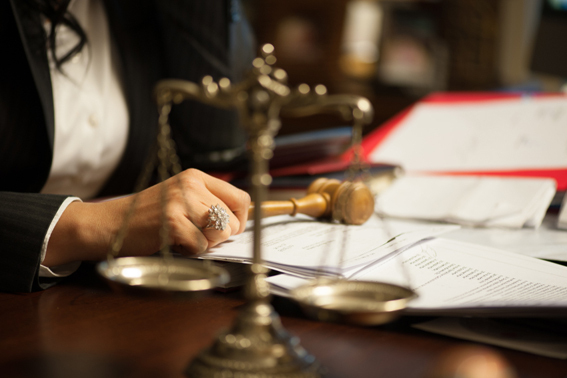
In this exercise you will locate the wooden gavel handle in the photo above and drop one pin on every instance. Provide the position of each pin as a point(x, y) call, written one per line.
point(351, 203)
point(315, 205)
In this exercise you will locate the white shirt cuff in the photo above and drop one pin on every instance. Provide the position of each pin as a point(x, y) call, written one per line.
point(60, 270)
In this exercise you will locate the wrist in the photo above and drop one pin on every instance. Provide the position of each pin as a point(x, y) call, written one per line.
point(83, 233)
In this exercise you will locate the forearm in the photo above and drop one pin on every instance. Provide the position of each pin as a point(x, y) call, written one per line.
point(84, 232)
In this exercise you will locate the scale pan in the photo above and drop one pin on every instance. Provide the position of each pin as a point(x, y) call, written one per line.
point(354, 302)
point(165, 275)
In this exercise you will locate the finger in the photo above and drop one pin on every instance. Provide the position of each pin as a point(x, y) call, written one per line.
point(197, 189)
point(219, 223)
point(189, 234)
point(186, 238)
point(203, 209)
point(238, 201)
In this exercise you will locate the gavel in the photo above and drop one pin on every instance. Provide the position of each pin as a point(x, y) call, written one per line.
point(347, 202)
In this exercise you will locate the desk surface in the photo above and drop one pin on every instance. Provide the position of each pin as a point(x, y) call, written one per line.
point(81, 328)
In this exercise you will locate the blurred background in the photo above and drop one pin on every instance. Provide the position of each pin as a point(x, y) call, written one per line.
point(394, 52)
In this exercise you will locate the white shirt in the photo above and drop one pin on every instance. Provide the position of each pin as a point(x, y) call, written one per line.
point(91, 115)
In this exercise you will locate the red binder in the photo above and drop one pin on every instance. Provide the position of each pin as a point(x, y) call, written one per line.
point(375, 139)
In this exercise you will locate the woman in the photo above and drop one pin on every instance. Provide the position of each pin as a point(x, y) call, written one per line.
point(77, 121)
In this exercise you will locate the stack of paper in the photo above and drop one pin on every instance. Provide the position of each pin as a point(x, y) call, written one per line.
point(306, 247)
point(469, 200)
point(456, 278)
point(546, 242)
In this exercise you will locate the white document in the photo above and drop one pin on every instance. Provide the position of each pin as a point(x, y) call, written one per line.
point(303, 246)
point(456, 278)
point(489, 135)
point(469, 200)
point(546, 242)
point(507, 334)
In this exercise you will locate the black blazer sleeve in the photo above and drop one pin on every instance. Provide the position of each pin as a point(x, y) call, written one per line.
point(24, 221)
point(25, 150)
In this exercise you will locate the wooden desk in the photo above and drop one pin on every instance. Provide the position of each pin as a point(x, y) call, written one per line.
point(81, 328)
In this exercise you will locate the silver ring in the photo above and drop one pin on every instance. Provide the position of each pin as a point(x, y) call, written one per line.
point(218, 218)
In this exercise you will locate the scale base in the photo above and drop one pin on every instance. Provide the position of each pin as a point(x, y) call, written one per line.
point(257, 346)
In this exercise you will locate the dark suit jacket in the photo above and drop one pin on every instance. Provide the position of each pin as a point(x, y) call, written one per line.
point(156, 39)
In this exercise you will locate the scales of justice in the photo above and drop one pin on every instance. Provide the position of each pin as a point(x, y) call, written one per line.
point(257, 345)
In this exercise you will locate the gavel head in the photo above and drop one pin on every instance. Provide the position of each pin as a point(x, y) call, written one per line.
point(351, 202)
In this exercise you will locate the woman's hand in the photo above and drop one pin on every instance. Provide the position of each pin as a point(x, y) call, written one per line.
point(86, 230)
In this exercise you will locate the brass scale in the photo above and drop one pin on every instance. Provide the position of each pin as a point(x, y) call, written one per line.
point(257, 345)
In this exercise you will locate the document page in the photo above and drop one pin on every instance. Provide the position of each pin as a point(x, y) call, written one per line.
point(457, 278)
point(546, 242)
point(304, 246)
point(469, 200)
point(452, 275)
point(526, 133)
